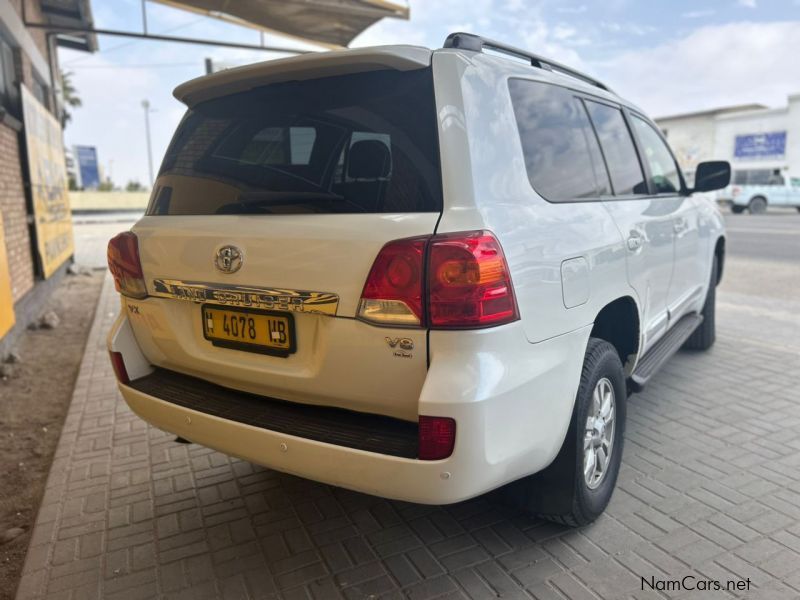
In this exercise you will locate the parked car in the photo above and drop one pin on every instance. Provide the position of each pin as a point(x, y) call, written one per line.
point(756, 198)
point(412, 273)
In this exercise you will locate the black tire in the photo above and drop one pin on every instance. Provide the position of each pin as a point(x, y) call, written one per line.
point(737, 210)
point(560, 493)
point(706, 333)
point(798, 209)
point(757, 205)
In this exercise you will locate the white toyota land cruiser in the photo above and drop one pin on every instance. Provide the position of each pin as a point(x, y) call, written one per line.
point(412, 273)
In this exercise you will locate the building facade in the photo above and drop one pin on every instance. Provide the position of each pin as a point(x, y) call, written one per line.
point(761, 143)
point(35, 234)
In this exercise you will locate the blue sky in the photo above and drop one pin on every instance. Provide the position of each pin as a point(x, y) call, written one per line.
point(667, 56)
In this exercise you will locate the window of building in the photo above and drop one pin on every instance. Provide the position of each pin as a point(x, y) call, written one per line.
point(618, 148)
point(663, 168)
point(562, 157)
point(41, 92)
point(9, 90)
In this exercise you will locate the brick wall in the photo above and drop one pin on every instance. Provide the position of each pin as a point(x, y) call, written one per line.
point(15, 220)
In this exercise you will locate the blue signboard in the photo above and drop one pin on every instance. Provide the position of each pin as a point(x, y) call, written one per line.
point(760, 145)
point(86, 156)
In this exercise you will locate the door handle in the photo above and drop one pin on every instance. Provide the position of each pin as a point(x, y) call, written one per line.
point(635, 241)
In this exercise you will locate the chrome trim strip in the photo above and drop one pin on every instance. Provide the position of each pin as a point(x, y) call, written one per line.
point(251, 297)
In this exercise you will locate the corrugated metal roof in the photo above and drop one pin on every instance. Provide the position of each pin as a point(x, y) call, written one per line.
point(332, 23)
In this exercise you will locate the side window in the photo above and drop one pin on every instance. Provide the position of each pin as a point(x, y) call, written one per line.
point(663, 168)
point(561, 154)
point(620, 153)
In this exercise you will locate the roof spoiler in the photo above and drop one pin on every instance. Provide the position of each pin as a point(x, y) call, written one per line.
point(307, 66)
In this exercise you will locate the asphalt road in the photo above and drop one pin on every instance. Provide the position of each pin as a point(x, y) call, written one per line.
point(759, 298)
point(774, 236)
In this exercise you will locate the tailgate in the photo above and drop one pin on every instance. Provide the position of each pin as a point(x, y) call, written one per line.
point(269, 210)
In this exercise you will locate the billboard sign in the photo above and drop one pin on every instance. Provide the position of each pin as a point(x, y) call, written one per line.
point(760, 145)
point(86, 157)
point(48, 181)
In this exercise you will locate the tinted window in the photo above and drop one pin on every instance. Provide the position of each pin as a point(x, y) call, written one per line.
point(350, 144)
point(663, 168)
point(562, 157)
point(618, 149)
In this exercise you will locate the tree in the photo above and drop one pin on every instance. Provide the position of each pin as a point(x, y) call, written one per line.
point(134, 186)
point(70, 96)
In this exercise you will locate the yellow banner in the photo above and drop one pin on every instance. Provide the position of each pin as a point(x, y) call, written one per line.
point(48, 174)
point(6, 302)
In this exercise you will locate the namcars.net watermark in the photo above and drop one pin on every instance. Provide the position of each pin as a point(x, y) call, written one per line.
point(690, 583)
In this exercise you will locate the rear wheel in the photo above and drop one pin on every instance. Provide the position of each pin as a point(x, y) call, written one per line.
point(758, 205)
point(737, 210)
point(706, 334)
point(576, 488)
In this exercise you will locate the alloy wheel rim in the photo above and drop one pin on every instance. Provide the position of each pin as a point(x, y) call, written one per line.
point(598, 437)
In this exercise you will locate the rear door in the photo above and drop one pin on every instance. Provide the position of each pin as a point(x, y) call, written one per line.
point(645, 222)
point(274, 203)
point(690, 273)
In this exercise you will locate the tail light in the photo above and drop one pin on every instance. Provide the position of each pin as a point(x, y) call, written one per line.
point(468, 282)
point(448, 281)
point(125, 266)
point(119, 367)
point(437, 437)
point(393, 292)
point(736, 191)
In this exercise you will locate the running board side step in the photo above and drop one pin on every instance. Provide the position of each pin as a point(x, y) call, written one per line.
point(668, 345)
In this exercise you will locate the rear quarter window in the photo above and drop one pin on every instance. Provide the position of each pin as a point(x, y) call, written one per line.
point(562, 157)
point(361, 143)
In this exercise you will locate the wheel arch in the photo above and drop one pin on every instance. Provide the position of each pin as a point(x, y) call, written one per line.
point(618, 324)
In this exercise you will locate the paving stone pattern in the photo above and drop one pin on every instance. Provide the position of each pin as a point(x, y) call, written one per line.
point(710, 487)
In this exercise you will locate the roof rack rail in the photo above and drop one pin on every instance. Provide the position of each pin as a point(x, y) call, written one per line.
point(476, 43)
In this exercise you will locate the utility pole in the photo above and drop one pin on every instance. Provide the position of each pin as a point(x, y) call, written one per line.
point(146, 107)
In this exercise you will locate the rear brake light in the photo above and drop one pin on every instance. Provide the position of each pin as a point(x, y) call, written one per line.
point(468, 282)
point(393, 292)
point(437, 437)
point(119, 367)
point(125, 266)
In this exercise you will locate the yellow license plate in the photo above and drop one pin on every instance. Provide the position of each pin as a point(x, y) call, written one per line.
point(250, 330)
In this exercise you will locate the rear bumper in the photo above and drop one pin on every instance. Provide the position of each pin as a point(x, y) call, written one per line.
point(511, 400)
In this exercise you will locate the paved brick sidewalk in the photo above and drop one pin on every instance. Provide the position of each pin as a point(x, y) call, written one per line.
point(710, 487)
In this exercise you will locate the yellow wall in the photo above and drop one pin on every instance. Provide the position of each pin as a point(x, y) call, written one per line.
point(6, 304)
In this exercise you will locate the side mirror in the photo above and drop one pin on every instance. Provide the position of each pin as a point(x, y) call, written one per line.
point(712, 175)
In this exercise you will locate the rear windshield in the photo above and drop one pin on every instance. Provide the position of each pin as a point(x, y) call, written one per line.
point(362, 143)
